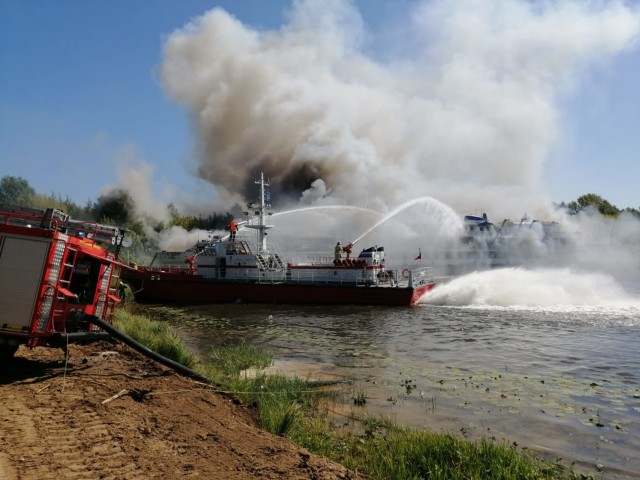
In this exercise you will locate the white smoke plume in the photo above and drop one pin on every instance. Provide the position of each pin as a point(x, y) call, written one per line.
point(467, 113)
point(606, 244)
point(137, 177)
point(177, 238)
point(456, 112)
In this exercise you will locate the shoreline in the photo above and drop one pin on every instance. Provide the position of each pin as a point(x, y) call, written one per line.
point(109, 412)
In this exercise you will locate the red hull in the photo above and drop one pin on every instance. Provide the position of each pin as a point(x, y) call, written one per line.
point(180, 288)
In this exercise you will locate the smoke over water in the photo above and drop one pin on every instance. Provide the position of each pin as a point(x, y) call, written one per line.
point(456, 111)
point(466, 114)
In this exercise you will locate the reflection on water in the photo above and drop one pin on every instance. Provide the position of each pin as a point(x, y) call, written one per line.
point(565, 381)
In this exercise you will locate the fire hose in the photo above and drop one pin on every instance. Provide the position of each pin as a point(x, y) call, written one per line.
point(167, 362)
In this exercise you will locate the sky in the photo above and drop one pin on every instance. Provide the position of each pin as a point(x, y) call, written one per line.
point(504, 105)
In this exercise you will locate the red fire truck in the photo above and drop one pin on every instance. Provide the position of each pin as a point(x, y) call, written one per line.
point(53, 270)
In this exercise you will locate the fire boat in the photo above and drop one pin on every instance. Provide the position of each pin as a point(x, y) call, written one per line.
point(231, 269)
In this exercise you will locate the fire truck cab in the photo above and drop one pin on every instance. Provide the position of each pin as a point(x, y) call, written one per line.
point(52, 271)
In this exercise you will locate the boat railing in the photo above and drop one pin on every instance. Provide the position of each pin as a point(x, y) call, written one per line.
point(396, 278)
point(354, 276)
point(420, 276)
point(276, 256)
point(163, 269)
point(359, 276)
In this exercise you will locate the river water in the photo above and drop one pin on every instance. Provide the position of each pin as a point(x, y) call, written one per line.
point(548, 359)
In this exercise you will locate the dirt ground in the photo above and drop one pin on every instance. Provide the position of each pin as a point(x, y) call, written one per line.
point(110, 413)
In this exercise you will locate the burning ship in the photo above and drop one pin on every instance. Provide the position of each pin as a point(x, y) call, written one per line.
point(485, 245)
point(231, 268)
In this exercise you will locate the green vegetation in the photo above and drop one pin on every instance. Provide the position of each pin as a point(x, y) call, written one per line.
point(372, 446)
point(118, 208)
point(157, 336)
point(359, 396)
point(233, 359)
point(16, 190)
point(280, 401)
point(115, 208)
point(386, 451)
point(591, 200)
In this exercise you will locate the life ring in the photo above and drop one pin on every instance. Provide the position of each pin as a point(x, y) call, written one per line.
point(405, 273)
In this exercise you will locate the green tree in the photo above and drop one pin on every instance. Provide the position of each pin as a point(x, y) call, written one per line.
point(173, 211)
point(116, 207)
point(592, 200)
point(16, 191)
point(633, 211)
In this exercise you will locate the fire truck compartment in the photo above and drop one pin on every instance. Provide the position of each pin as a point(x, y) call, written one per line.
point(22, 261)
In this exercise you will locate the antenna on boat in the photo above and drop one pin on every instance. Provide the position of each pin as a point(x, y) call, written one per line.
point(263, 212)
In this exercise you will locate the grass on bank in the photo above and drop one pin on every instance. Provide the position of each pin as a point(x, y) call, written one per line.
point(157, 336)
point(375, 447)
point(387, 451)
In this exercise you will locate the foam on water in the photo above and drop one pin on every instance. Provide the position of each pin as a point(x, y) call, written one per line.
point(561, 289)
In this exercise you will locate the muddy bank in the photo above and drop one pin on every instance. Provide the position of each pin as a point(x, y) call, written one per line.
point(111, 413)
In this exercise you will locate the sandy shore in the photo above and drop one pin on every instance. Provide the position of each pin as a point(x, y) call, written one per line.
point(110, 413)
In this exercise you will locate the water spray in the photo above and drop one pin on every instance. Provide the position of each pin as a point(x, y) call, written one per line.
point(329, 207)
point(444, 209)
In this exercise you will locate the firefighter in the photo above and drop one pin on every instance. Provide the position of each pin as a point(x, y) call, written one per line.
point(337, 252)
point(233, 228)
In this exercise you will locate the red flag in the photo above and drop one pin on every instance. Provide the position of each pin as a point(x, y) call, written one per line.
point(419, 257)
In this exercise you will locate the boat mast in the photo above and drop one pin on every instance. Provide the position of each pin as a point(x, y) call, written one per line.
point(263, 212)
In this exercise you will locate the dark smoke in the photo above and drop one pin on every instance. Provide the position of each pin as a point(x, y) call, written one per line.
point(115, 207)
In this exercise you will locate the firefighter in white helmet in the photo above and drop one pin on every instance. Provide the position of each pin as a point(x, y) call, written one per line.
point(337, 253)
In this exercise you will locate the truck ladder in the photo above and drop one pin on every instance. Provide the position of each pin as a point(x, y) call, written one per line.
point(107, 293)
point(64, 281)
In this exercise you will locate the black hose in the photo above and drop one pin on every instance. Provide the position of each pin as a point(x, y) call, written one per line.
point(167, 362)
